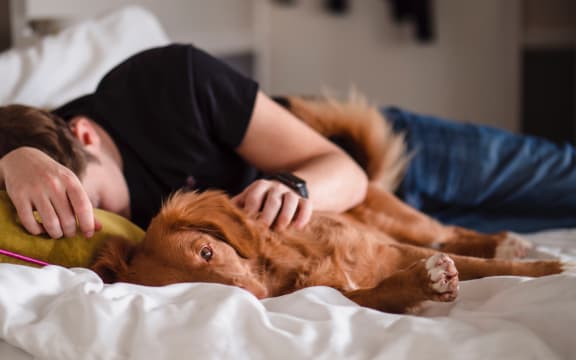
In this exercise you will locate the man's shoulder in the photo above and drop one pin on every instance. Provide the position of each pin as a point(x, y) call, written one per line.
point(163, 56)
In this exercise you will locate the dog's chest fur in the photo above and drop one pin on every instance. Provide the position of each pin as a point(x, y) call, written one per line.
point(328, 252)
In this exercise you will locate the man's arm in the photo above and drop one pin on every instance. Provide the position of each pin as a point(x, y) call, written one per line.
point(277, 141)
point(36, 182)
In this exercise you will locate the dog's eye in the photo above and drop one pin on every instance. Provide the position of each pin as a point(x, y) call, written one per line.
point(206, 253)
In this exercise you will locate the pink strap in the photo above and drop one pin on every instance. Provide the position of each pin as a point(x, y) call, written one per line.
point(23, 258)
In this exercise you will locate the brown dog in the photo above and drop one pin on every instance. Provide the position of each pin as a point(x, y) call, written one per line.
point(379, 254)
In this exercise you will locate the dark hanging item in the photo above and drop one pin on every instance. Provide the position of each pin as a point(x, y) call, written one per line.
point(417, 11)
point(337, 7)
point(286, 2)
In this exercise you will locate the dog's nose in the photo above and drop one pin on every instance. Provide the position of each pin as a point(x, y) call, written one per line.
point(262, 294)
point(256, 289)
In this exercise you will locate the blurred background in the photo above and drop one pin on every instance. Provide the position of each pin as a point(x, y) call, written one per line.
point(505, 63)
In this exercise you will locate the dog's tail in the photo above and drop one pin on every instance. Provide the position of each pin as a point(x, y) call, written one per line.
point(360, 130)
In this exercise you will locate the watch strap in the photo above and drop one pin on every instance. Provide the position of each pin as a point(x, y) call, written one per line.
point(295, 183)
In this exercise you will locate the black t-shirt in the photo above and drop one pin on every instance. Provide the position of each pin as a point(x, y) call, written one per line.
point(176, 115)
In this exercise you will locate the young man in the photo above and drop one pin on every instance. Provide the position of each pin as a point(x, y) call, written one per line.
point(175, 117)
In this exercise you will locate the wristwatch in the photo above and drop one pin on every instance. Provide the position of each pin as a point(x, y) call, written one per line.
point(293, 182)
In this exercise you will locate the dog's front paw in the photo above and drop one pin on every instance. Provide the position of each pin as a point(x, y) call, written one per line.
point(512, 247)
point(443, 277)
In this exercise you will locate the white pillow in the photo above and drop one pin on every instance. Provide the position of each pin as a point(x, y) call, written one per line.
point(64, 66)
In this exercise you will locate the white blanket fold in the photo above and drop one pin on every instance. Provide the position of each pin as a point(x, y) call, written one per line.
point(56, 313)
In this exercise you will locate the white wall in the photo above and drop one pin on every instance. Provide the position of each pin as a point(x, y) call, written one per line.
point(220, 26)
point(471, 72)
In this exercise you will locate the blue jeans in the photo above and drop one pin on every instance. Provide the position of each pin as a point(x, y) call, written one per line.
point(485, 178)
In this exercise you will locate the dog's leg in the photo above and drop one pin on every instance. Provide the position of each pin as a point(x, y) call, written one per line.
point(434, 278)
point(503, 245)
point(430, 275)
point(390, 215)
point(474, 267)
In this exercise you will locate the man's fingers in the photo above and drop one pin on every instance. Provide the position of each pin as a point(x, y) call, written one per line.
point(83, 210)
point(289, 207)
point(304, 213)
point(275, 204)
point(238, 200)
point(49, 218)
point(97, 224)
point(272, 206)
point(65, 215)
point(254, 197)
point(26, 215)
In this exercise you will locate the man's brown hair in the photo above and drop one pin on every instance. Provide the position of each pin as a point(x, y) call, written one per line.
point(22, 125)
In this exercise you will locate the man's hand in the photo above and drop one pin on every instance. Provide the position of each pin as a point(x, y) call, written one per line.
point(275, 204)
point(35, 182)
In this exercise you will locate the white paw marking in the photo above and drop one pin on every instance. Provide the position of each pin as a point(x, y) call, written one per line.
point(569, 267)
point(441, 270)
point(513, 247)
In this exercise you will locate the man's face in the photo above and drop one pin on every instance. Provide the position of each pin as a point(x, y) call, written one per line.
point(90, 183)
point(106, 187)
point(103, 179)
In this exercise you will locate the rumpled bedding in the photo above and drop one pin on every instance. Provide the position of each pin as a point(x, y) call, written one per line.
point(58, 313)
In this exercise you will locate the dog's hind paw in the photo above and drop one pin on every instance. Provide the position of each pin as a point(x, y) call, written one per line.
point(443, 277)
point(512, 247)
point(569, 267)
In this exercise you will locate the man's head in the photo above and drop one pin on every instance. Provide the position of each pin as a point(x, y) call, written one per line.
point(27, 126)
point(79, 144)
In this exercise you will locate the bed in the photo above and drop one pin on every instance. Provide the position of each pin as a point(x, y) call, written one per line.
point(59, 313)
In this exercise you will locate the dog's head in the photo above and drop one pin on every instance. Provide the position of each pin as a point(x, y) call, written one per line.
point(196, 237)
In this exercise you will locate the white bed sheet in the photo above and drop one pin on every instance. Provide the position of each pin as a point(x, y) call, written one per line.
point(56, 313)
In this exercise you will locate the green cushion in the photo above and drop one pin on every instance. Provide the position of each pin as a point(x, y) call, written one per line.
point(77, 251)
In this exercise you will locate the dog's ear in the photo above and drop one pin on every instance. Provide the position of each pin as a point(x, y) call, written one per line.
point(232, 228)
point(213, 213)
point(112, 259)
